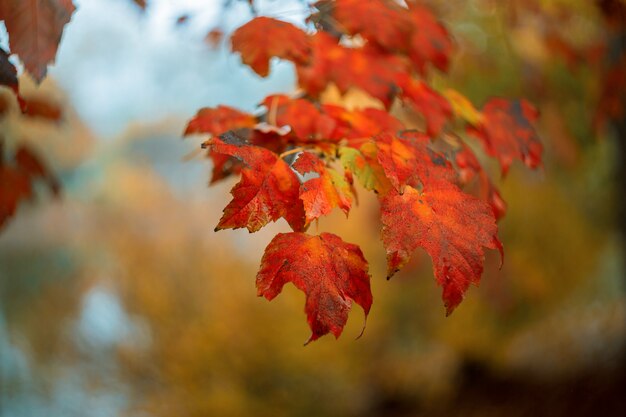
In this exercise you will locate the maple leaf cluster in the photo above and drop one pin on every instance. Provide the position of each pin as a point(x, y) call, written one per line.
point(299, 158)
point(35, 29)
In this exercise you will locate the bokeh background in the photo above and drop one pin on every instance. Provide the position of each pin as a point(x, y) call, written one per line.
point(118, 299)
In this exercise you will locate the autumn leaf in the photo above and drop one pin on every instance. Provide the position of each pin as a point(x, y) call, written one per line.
point(15, 186)
point(408, 160)
point(214, 38)
point(363, 164)
point(218, 120)
point(215, 121)
point(432, 105)
point(382, 22)
point(225, 166)
point(469, 169)
point(463, 108)
point(182, 20)
point(35, 28)
point(366, 68)
point(263, 38)
point(32, 166)
point(331, 272)
point(412, 31)
point(8, 72)
point(430, 41)
point(324, 192)
point(140, 3)
point(507, 132)
point(307, 122)
point(42, 108)
point(452, 226)
point(16, 179)
point(359, 126)
point(268, 189)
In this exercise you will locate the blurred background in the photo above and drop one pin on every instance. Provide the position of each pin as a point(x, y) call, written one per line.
point(118, 299)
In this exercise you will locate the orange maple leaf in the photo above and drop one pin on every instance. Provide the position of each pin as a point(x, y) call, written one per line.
point(331, 272)
point(264, 37)
point(324, 192)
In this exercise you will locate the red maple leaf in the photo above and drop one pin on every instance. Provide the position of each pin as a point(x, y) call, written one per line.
point(35, 28)
point(263, 38)
point(331, 272)
point(452, 226)
point(216, 121)
point(435, 108)
point(507, 132)
point(414, 32)
point(324, 192)
point(382, 22)
point(359, 126)
point(366, 68)
point(430, 41)
point(268, 189)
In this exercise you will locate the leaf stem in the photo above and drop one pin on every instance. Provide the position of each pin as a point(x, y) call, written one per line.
point(291, 152)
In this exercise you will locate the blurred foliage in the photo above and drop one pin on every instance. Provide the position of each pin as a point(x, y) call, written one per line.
point(120, 291)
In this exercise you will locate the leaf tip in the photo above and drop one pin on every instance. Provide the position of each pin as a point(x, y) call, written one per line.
point(310, 339)
point(362, 328)
point(449, 309)
point(500, 248)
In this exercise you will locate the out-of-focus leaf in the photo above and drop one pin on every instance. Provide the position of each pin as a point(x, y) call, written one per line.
point(507, 132)
point(35, 28)
point(8, 72)
point(263, 38)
